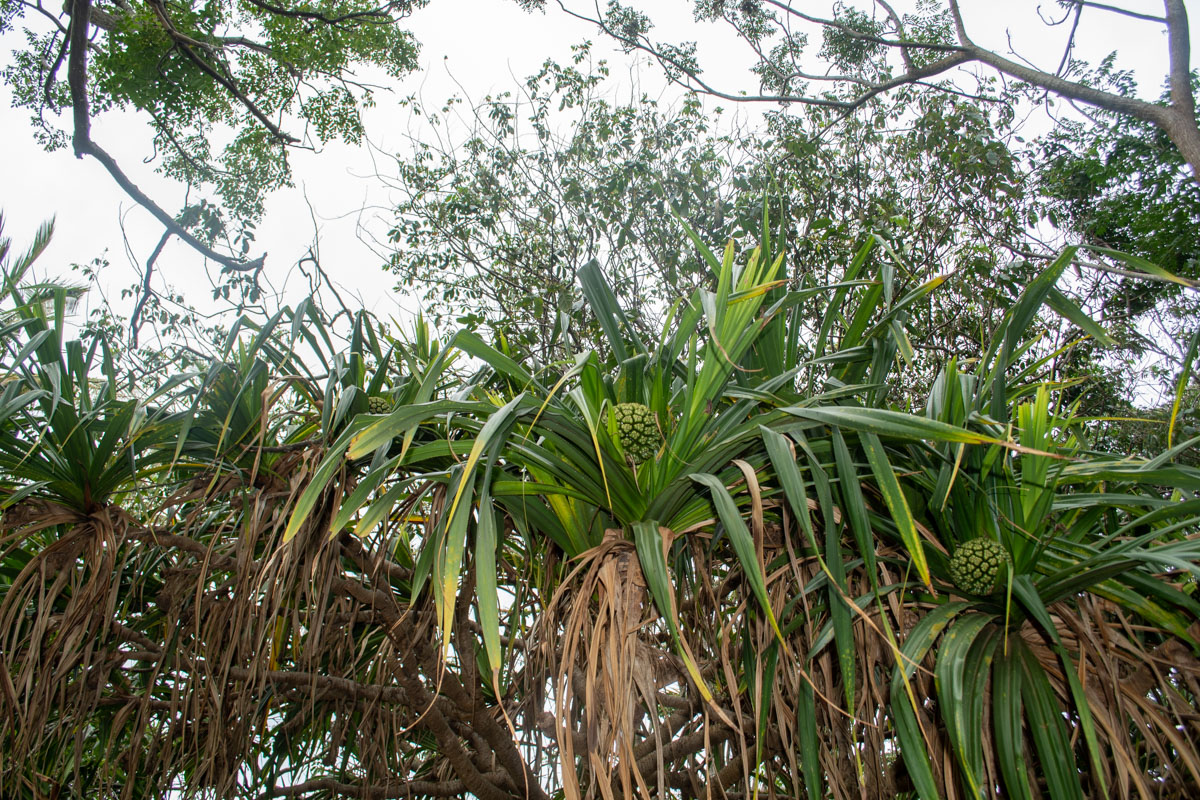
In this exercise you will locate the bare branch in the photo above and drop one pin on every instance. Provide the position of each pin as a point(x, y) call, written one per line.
point(1114, 9)
point(63, 29)
point(1070, 45)
point(135, 319)
point(895, 18)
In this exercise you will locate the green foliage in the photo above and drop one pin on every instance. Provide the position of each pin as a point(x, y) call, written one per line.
point(491, 231)
point(199, 70)
point(849, 45)
point(1121, 183)
point(494, 230)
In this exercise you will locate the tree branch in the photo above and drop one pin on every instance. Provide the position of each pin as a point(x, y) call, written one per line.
point(381, 15)
point(1114, 9)
point(1179, 52)
point(1178, 120)
point(854, 33)
point(83, 144)
point(895, 18)
point(186, 45)
point(385, 791)
point(135, 319)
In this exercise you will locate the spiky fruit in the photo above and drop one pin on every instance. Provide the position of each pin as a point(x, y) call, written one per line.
point(977, 564)
point(379, 405)
point(637, 431)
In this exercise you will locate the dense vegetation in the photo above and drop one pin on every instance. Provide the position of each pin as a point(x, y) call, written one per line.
point(423, 568)
point(853, 455)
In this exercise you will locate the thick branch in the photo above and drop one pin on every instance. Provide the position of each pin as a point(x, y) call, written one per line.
point(83, 144)
point(377, 792)
point(899, 23)
point(326, 685)
point(1178, 120)
point(913, 76)
point(449, 744)
point(1129, 106)
point(518, 772)
point(1179, 50)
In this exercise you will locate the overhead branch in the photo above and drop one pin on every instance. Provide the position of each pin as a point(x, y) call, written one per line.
point(1116, 10)
point(381, 15)
point(1178, 120)
point(135, 319)
point(694, 82)
point(899, 23)
point(1179, 51)
point(858, 35)
point(77, 78)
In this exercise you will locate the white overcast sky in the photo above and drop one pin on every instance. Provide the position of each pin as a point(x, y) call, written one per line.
point(469, 47)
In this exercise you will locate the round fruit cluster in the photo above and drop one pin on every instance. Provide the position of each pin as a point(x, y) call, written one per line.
point(637, 431)
point(977, 564)
point(379, 405)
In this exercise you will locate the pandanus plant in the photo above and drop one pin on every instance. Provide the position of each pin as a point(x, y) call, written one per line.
point(785, 584)
point(111, 639)
point(70, 448)
point(767, 598)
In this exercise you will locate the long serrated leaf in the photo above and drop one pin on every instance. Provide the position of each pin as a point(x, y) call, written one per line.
point(359, 496)
point(1149, 268)
point(496, 428)
point(904, 702)
point(470, 343)
point(648, 541)
point(957, 700)
point(377, 432)
point(1027, 594)
point(486, 592)
point(1048, 730)
point(810, 753)
point(1012, 332)
point(611, 317)
point(1007, 713)
point(1185, 373)
point(1068, 309)
point(743, 544)
point(380, 509)
point(899, 425)
point(854, 504)
point(319, 481)
point(897, 505)
point(835, 304)
point(451, 544)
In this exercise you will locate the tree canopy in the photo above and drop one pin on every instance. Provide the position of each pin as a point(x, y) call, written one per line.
point(261, 77)
point(869, 48)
